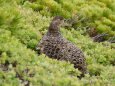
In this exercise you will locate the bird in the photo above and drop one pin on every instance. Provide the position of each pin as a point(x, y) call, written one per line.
point(55, 46)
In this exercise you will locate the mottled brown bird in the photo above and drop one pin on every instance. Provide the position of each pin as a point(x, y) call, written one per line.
point(55, 46)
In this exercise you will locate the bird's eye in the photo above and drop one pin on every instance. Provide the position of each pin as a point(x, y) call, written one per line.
point(61, 18)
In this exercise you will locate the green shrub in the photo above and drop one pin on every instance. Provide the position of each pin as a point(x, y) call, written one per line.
point(91, 10)
point(24, 22)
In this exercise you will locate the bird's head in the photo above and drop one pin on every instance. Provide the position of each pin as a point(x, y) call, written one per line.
point(56, 23)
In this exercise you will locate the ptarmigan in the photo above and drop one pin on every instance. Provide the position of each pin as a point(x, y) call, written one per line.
point(55, 46)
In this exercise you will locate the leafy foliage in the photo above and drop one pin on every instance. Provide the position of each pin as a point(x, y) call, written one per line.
point(101, 13)
point(24, 22)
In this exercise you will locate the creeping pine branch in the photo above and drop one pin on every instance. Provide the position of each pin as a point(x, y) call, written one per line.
point(111, 39)
point(75, 19)
point(100, 37)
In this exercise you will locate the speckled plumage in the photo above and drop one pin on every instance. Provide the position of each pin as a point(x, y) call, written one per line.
point(55, 46)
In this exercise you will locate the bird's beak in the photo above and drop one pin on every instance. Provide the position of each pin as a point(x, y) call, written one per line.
point(66, 24)
point(37, 48)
